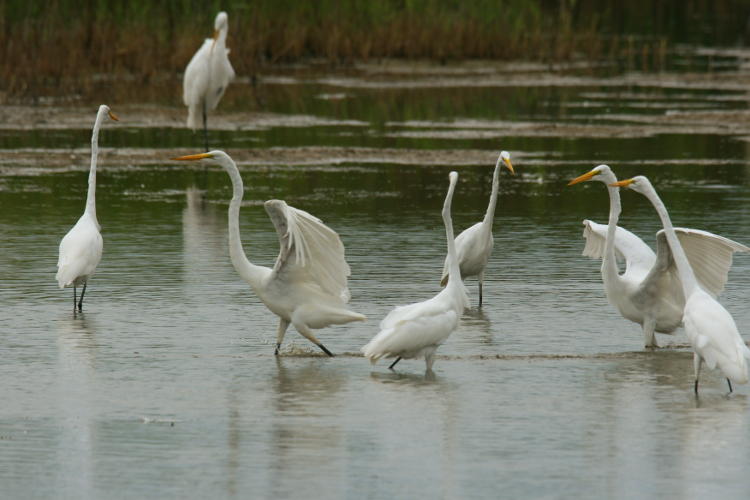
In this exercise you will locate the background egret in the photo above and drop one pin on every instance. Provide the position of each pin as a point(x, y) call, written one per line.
point(710, 328)
point(206, 77)
point(307, 286)
point(474, 244)
point(650, 292)
point(418, 329)
point(81, 249)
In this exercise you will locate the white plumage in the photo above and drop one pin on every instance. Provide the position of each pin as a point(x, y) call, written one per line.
point(416, 330)
point(207, 76)
point(307, 286)
point(649, 292)
point(474, 244)
point(710, 328)
point(81, 248)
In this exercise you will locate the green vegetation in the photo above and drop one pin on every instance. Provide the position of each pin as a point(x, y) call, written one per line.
point(63, 43)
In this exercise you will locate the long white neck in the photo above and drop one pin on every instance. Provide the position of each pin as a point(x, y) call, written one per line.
point(454, 274)
point(689, 282)
point(222, 38)
point(490, 215)
point(91, 196)
point(247, 270)
point(609, 260)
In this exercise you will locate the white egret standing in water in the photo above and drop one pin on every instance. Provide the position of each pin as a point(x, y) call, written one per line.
point(418, 329)
point(81, 249)
point(650, 292)
point(710, 328)
point(307, 286)
point(474, 244)
point(206, 77)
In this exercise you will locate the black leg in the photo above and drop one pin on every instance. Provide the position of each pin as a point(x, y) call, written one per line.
point(730, 385)
point(74, 298)
point(394, 363)
point(325, 350)
point(205, 127)
point(696, 387)
point(80, 301)
point(276, 351)
point(480, 294)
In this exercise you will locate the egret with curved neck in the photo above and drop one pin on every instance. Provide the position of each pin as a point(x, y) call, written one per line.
point(81, 248)
point(307, 286)
point(207, 76)
point(710, 328)
point(474, 244)
point(649, 292)
point(416, 330)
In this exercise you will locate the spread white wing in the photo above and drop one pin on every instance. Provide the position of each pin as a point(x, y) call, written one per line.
point(710, 255)
point(628, 247)
point(309, 250)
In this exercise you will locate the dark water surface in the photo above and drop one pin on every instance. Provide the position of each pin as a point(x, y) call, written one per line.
point(167, 387)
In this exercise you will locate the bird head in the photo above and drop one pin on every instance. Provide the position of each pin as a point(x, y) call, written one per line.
point(602, 173)
point(218, 156)
point(105, 109)
point(505, 158)
point(638, 183)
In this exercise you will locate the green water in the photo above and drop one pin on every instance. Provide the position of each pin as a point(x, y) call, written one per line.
point(167, 387)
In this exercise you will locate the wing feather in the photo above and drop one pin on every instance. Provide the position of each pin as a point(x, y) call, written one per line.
point(710, 256)
point(309, 249)
point(628, 247)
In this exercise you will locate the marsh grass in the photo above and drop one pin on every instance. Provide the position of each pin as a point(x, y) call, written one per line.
point(64, 45)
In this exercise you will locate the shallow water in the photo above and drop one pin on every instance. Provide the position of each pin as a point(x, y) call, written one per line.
point(167, 387)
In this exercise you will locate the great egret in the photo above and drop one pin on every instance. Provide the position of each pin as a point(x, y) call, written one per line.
point(206, 77)
point(710, 328)
point(474, 244)
point(307, 286)
point(418, 329)
point(649, 292)
point(81, 249)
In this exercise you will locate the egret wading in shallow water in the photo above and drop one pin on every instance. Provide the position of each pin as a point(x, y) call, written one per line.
point(206, 77)
point(474, 244)
point(417, 330)
point(709, 327)
point(307, 286)
point(81, 249)
point(650, 291)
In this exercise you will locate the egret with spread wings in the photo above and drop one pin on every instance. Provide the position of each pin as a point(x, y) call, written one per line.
point(474, 244)
point(207, 76)
point(81, 249)
point(650, 291)
point(307, 286)
point(710, 328)
point(417, 330)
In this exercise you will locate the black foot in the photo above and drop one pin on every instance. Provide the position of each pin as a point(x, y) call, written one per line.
point(276, 351)
point(394, 363)
point(323, 348)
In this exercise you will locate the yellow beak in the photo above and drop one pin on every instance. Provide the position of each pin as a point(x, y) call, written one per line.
point(622, 184)
point(199, 156)
point(584, 177)
point(509, 165)
point(113, 116)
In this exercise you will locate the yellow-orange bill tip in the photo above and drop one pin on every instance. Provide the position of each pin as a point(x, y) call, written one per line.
point(199, 156)
point(581, 178)
point(625, 183)
point(510, 166)
point(113, 116)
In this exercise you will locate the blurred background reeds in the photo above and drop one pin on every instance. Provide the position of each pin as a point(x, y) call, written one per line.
point(68, 45)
